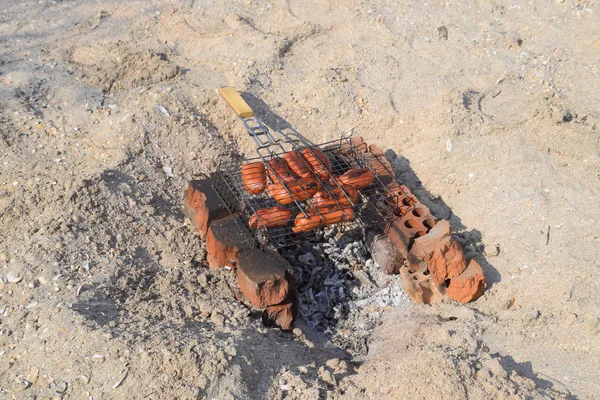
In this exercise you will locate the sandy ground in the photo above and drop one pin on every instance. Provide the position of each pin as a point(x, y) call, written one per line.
point(489, 113)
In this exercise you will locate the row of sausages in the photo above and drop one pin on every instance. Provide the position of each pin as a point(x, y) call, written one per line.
point(290, 169)
point(300, 176)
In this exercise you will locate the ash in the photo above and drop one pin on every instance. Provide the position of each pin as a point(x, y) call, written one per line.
point(341, 290)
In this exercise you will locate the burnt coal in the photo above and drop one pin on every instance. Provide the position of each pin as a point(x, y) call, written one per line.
point(341, 291)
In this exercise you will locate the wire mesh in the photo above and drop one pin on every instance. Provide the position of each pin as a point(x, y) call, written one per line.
point(281, 225)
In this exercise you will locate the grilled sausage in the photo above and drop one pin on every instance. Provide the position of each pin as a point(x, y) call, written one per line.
point(278, 192)
point(318, 161)
point(279, 171)
point(254, 177)
point(299, 192)
point(298, 164)
point(358, 178)
point(304, 224)
point(324, 199)
point(270, 217)
point(334, 215)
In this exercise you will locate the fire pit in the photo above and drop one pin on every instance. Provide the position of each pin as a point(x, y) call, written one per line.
point(293, 190)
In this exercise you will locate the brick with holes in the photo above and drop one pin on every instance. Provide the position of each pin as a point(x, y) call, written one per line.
point(418, 284)
point(413, 220)
point(443, 254)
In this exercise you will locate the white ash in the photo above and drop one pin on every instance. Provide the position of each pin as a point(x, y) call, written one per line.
point(341, 290)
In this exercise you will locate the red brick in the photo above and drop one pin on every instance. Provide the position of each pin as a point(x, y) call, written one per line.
point(358, 143)
point(415, 219)
point(469, 285)
point(400, 237)
point(418, 284)
point(262, 277)
point(226, 238)
point(444, 255)
point(280, 315)
point(203, 205)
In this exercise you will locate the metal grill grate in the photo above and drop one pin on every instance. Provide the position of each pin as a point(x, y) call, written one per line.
point(375, 204)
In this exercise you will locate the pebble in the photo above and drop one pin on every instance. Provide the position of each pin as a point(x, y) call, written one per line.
point(297, 332)
point(13, 277)
point(449, 145)
point(217, 319)
point(60, 387)
point(161, 109)
point(20, 384)
point(327, 376)
point(203, 280)
point(77, 219)
point(3, 257)
point(302, 369)
point(231, 350)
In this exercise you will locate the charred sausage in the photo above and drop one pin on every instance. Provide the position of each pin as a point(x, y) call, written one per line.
point(298, 192)
point(334, 215)
point(254, 177)
point(335, 195)
point(318, 161)
point(270, 217)
point(298, 164)
point(279, 193)
point(358, 178)
point(279, 171)
point(304, 224)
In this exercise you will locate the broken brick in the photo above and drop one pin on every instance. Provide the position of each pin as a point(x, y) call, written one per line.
point(262, 277)
point(358, 143)
point(400, 237)
point(203, 205)
point(469, 285)
point(418, 284)
point(443, 254)
point(225, 239)
point(280, 315)
point(385, 255)
point(415, 219)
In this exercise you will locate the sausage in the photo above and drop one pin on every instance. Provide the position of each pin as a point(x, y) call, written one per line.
point(304, 224)
point(331, 215)
point(324, 199)
point(278, 192)
point(298, 164)
point(334, 215)
point(304, 190)
point(279, 171)
point(270, 217)
point(298, 192)
point(319, 164)
point(358, 178)
point(254, 177)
